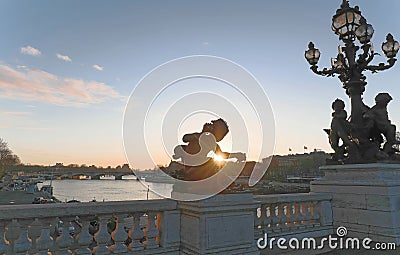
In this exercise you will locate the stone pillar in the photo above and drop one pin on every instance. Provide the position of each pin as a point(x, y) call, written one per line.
point(95, 177)
point(365, 199)
point(222, 224)
point(169, 227)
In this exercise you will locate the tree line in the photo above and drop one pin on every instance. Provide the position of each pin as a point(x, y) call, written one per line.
point(7, 157)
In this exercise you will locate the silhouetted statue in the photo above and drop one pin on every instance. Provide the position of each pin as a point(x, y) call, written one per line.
point(363, 144)
point(197, 157)
point(379, 123)
point(340, 131)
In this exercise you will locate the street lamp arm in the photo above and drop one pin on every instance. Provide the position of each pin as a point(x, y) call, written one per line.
point(371, 57)
point(327, 72)
point(366, 57)
point(381, 66)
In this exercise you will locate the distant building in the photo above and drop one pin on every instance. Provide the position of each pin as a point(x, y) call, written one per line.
point(303, 165)
point(59, 165)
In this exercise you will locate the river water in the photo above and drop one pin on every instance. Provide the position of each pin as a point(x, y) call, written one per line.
point(104, 189)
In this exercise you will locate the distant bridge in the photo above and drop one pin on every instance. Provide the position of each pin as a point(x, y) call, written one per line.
point(70, 173)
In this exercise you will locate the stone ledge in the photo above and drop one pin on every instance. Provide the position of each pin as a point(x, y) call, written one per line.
point(295, 197)
point(388, 183)
point(337, 188)
point(357, 167)
point(221, 203)
point(8, 212)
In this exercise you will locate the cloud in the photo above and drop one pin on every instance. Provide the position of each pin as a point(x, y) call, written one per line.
point(29, 50)
point(36, 85)
point(64, 57)
point(98, 68)
point(33, 128)
point(14, 113)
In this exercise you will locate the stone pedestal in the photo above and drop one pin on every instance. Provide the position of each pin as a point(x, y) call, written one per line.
point(222, 224)
point(365, 199)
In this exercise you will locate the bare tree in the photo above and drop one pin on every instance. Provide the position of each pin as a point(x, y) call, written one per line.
point(7, 158)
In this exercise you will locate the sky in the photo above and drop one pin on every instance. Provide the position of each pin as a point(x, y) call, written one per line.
point(67, 68)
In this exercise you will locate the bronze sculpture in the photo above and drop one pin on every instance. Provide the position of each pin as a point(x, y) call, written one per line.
point(374, 142)
point(198, 154)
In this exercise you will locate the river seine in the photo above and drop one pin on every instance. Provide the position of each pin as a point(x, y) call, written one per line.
point(104, 190)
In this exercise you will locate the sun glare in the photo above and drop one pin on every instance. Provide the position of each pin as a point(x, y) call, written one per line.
point(218, 158)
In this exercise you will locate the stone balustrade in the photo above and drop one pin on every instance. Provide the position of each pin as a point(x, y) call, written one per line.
point(125, 227)
point(362, 198)
point(293, 215)
point(223, 224)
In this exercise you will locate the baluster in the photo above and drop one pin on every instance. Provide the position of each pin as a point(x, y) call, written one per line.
point(22, 245)
point(84, 239)
point(34, 231)
point(295, 216)
point(290, 211)
point(13, 231)
point(282, 215)
point(258, 217)
point(45, 241)
point(267, 226)
point(315, 214)
point(275, 219)
point(258, 222)
point(54, 233)
point(119, 236)
point(151, 232)
point(102, 237)
point(76, 230)
point(307, 215)
point(4, 248)
point(136, 234)
point(128, 223)
point(65, 240)
point(300, 213)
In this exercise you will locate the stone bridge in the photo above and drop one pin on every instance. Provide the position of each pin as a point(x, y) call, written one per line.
point(362, 201)
point(94, 174)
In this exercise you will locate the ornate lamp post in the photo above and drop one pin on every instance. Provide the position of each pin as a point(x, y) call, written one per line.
point(349, 65)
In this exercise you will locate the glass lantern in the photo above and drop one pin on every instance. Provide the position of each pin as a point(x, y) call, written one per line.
point(312, 54)
point(390, 47)
point(364, 32)
point(346, 21)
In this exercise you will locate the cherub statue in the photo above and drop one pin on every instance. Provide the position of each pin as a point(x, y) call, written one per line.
point(340, 130)
point(363, 144)
point(379, 123)
point(197, 155)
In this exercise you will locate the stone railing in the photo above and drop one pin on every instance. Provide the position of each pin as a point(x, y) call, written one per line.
point(223, 224)
point(293, 215)
point(126, 227)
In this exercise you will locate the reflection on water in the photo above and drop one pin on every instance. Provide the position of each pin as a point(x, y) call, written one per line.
point(105, 189)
